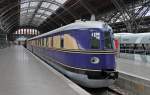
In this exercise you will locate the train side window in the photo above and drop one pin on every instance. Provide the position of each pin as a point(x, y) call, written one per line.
point(41, 42)
point(32, 42)
point(44, 41)
point(62, 41)
point(47, 44)
point(70, 42)
point(52, 42)
point(95, 40)
point(35, 42)
point(107, 39)
point(56, 41)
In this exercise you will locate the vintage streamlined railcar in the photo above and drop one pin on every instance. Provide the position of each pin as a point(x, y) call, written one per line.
point(83, 51)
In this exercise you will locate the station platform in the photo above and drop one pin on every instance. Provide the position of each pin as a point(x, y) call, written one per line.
point(22, 73)
point(134, 68)
point(134, 76)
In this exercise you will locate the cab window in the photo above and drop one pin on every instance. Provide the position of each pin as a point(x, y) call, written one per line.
point(108, 41)
point(95, 40)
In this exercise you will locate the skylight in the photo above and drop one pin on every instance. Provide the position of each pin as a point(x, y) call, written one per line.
point(53, 7)
point(25, 11)
point(43, 17)
point(142, 11)
point(34, 3)
point(24, 5)
point(48, 13)
point(31, 10)
point(36, 11)
point(61, 1)
point(37, 16)
point(45, 4)
point(41, 11)
point(148, 13)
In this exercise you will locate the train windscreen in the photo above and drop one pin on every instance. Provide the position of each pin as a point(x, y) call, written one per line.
point(108, 41)
point(95, 40)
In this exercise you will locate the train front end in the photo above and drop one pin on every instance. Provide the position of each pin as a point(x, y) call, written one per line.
point(96, 58)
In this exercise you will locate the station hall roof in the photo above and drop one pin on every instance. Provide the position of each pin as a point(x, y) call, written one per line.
point(46, 15)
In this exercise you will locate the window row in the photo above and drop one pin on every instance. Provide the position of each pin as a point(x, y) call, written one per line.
point(61, 41)
point(135, 48)
point(27, 31)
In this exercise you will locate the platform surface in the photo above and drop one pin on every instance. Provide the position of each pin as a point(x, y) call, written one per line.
point(22, 74)
point(134, 68)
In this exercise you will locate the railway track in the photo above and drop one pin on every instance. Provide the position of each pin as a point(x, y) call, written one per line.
point(112, 90)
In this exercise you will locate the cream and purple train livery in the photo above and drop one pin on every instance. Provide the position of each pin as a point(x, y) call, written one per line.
point(83, 51)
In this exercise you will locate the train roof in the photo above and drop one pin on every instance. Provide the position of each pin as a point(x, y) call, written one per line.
point(134, 38)
point(77, 25)
point(130, 34)
point(123, 33)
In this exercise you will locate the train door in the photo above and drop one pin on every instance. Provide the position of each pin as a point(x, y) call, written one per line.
point(116, 43)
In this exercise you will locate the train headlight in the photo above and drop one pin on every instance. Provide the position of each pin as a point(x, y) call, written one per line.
point(95, 60)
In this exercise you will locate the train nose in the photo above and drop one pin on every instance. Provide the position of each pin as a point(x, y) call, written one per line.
point(95, 60)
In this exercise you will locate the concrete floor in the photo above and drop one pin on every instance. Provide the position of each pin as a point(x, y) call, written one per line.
point(22, 74)
point(134, 68)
